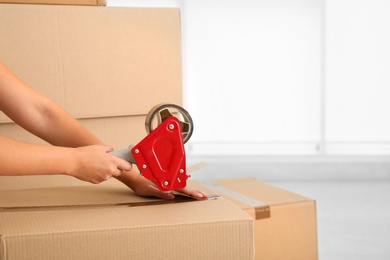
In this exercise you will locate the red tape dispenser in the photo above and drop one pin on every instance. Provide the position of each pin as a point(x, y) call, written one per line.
point(161, 156)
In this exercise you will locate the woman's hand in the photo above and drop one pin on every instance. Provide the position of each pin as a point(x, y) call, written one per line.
point(145, 188)
point(95, 165)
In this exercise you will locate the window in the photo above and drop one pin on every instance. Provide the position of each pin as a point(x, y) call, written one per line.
point(253, 75)
point(285, 76)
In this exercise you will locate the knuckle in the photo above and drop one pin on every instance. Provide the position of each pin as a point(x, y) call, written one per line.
point(112, 170)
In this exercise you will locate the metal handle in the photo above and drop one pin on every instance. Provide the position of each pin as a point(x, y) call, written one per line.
point(124, 154)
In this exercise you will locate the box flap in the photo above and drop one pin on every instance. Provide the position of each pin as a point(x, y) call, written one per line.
point(285, 226)
point(109, 193)
point(94, 61)
point(266, 193)
point(56, 222)
point(209, 229)
point(52, 221)
point(254, 196)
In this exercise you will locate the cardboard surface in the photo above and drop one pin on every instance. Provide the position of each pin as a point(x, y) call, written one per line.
point(286, 227)
point(95, 62)
point(106, 66)
point(207, 229)
point(57, 2)
point(118, 132)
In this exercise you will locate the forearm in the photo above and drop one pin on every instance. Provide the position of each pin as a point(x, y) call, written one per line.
point(88, 163)
point(59, 128)
point(18, 158)
point(44, 118)
point(39, 114)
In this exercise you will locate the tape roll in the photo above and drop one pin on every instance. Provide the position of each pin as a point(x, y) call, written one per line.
point(160, 112)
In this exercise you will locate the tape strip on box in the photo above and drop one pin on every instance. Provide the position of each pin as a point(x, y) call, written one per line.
point(262, 210)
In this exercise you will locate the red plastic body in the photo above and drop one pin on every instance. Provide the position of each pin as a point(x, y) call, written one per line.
point(161, 157)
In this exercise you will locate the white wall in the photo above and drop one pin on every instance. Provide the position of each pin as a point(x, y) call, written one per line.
point(252, 73)
point(285, 76)
point(358, 76)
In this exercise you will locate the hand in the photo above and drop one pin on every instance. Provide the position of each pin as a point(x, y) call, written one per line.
point(193, 193)
point(95, 165)
point(143, 187)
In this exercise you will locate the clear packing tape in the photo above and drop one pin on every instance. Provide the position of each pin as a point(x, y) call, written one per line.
point(261, 209)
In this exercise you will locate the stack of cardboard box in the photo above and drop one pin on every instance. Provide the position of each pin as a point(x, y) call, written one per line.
point(108, 67)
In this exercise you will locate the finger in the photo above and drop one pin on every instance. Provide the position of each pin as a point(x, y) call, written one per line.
point(123, 165)
point(204, 194)
point(167, 196)
point(193, 193)
point(160, 194)
point(108, 149)
point(117, 173)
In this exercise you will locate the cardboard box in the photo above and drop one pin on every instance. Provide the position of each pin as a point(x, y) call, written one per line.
point(285, 222)
point(118, 132)
point(107, 221)
point(106, 66)
point(95, 62)
point(57, 2)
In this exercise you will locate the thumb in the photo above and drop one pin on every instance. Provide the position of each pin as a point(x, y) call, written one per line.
point(124, 165)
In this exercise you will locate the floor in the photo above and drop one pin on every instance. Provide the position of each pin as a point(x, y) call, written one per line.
point(353, 199)
point(353, 217)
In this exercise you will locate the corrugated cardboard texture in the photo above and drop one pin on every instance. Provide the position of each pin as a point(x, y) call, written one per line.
point(111, 192)
point(57, 2)
point(94, 61)
point(290, 232)
point(208, 229)
point(106, 66)
point(108, 193)
point(118, 132)
point(30, 182)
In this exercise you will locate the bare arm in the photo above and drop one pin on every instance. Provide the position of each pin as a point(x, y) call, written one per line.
point(89, 163)
point(46, 119)
point(40, 115)
point(75, 151)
